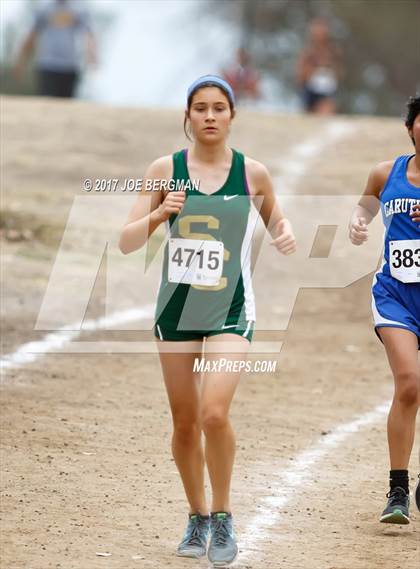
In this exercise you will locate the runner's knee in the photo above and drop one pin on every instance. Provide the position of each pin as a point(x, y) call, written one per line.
point(213, 420)
point(186, 429)
point(407, 391)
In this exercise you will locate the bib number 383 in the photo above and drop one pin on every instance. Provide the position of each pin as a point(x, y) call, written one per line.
point(404, 260)
point(195, 261)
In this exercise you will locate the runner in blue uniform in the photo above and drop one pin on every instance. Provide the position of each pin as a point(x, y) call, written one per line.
point(396, 299)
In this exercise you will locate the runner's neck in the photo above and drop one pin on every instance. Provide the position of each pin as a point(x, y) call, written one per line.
point(210, 154)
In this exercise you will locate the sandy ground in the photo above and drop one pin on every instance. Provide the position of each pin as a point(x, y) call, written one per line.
point(86, 464)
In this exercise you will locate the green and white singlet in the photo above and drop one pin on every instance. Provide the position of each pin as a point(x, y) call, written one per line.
point(206, 286)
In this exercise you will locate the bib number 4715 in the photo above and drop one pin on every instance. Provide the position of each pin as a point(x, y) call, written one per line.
point(195, 261)
point(213, 260)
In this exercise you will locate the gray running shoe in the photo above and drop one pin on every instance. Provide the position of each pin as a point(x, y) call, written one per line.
point(222, 549)
point(194, 542)
point(396, 511)
point(418, 494)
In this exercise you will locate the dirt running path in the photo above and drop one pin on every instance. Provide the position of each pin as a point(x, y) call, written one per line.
point(86, 465)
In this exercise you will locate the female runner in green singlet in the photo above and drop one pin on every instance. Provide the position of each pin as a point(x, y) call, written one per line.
point(206, 299)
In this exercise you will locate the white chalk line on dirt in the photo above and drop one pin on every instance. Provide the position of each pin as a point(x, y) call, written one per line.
point(285, 487)
point(31, 351)
point(296, 164)
point(286, 482)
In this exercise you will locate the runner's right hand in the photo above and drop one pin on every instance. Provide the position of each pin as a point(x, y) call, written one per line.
point(173, 203)
point(358, 231)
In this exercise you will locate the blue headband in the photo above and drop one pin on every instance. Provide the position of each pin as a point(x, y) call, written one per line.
point(212, 80)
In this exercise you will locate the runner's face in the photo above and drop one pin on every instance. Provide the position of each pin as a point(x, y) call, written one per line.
point(414, 133)
point(319, 31)
point(210, 115)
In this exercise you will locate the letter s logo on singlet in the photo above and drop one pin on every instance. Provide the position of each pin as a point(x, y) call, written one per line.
point(212, 222)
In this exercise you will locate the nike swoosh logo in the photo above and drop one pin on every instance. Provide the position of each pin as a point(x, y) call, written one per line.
point(230, 326)
point(227, 198)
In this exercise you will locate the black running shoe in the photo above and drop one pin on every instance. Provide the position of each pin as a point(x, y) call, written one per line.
point(396, 511)
point(418, 494)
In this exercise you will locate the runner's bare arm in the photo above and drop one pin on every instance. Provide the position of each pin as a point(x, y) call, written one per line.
point(276, 223)
point(303, 68)
point(151, 207)
point(25, 51)
point(369, 204)
point(91, 49)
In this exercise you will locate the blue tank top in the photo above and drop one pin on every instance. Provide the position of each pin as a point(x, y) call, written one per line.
point(397, 200)
point(59, 27)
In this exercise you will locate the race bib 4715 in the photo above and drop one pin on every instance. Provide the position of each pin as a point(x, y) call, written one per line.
point(195, 261)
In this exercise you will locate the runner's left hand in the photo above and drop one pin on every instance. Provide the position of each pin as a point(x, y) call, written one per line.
point(285, 243)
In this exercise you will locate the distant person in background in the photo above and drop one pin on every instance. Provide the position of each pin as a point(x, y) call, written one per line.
point(319, 70)
point(56, 37)
point(243, 78)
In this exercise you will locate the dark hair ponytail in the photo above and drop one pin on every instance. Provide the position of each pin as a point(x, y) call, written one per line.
point(413, 109)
